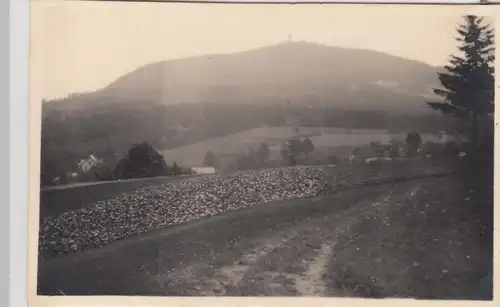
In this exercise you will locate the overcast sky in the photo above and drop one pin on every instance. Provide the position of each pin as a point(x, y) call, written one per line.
point(86, 45)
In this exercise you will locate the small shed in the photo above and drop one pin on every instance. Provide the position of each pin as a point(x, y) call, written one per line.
point(204, 170)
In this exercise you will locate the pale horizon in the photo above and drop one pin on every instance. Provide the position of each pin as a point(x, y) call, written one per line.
point(100, 41)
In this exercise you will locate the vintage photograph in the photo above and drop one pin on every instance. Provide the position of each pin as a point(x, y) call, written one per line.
point(258, 150)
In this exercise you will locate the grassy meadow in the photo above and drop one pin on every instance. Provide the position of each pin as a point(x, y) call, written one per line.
point(327, 141)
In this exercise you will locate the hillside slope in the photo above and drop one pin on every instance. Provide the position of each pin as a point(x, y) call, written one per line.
point(185, 101)
point(303, 73)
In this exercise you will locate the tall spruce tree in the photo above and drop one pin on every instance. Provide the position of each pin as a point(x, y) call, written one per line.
point(468, 84)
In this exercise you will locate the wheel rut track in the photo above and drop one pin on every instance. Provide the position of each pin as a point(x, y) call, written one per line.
point(290, 263)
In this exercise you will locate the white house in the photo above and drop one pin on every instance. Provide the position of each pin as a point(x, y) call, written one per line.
point(203, 170)
point(86, 165)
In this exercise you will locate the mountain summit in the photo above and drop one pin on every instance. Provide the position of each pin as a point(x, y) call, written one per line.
point(294, 72)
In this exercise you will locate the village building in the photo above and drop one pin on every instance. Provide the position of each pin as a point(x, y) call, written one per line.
point(205, 170)
point(85, 165)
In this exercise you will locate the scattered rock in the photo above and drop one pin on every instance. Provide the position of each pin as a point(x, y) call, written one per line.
point(154, 207)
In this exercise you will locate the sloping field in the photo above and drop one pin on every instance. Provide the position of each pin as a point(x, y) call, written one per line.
point(427, 238)
point(192, 155)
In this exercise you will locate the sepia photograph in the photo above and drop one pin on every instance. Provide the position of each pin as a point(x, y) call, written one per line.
point(263, 150)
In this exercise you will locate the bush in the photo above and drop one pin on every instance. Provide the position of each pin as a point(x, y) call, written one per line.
point(176, 170)
point(413, 142)
point(104, 173)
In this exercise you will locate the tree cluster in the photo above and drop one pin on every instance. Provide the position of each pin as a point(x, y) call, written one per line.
point(295, 148)
point(142, 161)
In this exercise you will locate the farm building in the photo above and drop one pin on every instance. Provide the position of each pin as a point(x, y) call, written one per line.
point(86, 165)
point(203, 170)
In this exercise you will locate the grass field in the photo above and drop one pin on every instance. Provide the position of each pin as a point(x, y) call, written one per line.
point(322, 137)
point(433, 240)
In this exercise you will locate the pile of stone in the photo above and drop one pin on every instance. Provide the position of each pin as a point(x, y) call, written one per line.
point(156, 207)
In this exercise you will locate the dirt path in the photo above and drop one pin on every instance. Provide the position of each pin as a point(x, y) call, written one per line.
point(293, 262)
point(372, 242)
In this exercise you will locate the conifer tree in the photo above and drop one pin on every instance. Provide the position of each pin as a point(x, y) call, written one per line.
point(468, 83)
point(176, 170)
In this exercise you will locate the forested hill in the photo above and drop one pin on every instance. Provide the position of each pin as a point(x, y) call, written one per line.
point(301, 73)
point(178, 102)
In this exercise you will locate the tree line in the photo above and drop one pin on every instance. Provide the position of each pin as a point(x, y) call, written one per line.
point(140, 161)
point(109, 131)
point(290, 152)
